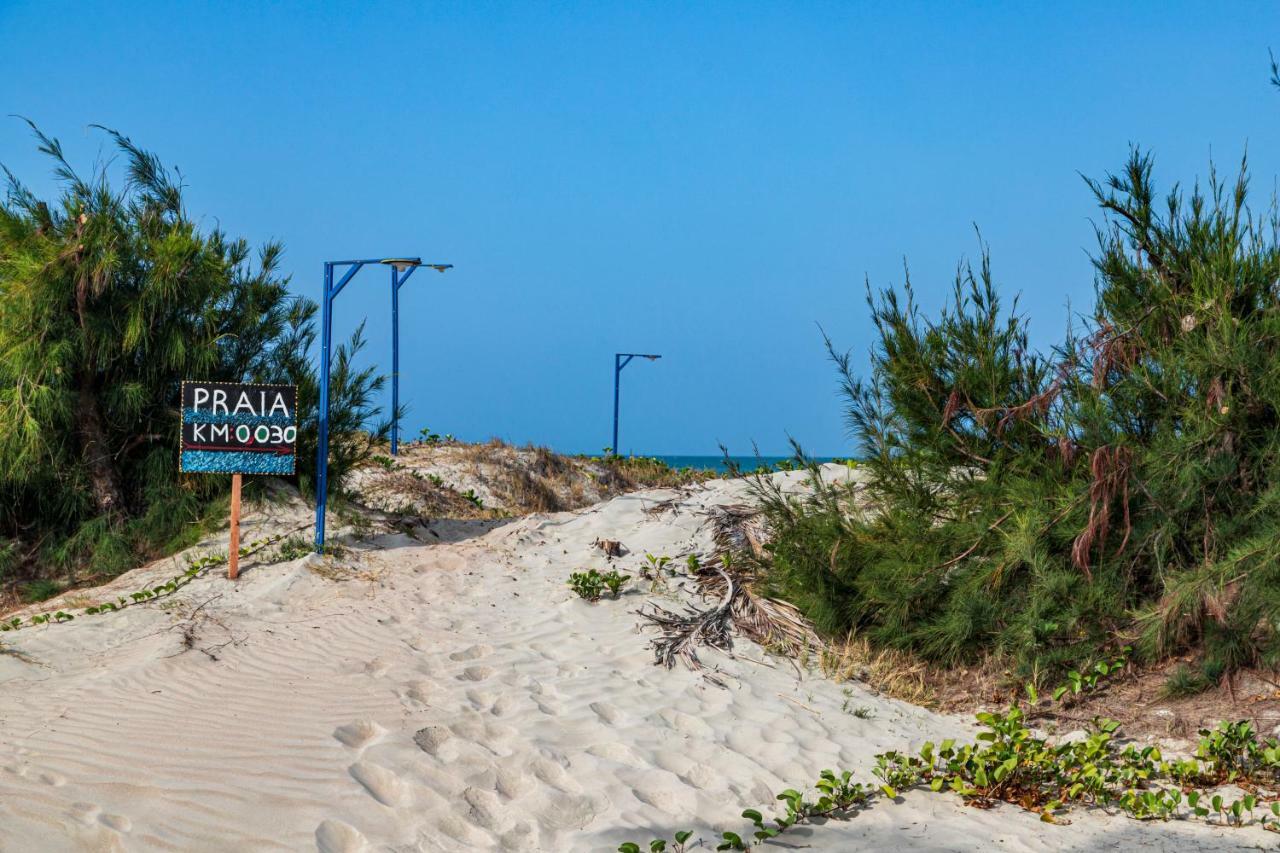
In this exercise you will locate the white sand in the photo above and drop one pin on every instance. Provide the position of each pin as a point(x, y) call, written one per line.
point(454, 696)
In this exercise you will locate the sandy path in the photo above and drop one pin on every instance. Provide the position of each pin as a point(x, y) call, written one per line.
point(453, 697)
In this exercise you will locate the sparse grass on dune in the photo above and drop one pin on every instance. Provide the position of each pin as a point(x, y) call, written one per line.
point(650, 472)
point(495, 478)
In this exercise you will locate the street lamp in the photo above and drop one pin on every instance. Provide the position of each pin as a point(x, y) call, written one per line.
point(401, 269)
point(621, 360)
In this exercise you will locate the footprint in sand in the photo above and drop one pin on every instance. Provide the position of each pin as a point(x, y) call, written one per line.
point(476, 673)
point(118, 822)
point(503, 705)
point(359, 734)
point(522, 836)
point(382, 784)
point(698, 776)
point(551, 773)
point(462, 831)
point(472, 653)
point(687, 725)
point(776, 734)
point(486, 809)
point(86, 813)
point(334, 836)
point(512, 783)
point(567, 811)
point(377, 667)
point(468, 726)
point(662, 798)
point(619, 753)
point(608, 714)
point(432, 738)
point(55, 780)
point(418, 692)
point(480, 700)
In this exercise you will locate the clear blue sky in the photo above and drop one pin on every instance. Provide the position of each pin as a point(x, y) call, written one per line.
point(706, 181)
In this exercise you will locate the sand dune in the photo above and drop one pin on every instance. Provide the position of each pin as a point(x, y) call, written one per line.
point(453, 696)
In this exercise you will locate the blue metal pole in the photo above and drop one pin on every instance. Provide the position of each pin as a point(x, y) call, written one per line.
point(618, 363)
point(395, 361)
point(617, 376)
point(322, 442)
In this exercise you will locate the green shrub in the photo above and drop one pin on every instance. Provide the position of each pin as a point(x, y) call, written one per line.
point(39, 590)
point(108, 300)
point(1047, 508)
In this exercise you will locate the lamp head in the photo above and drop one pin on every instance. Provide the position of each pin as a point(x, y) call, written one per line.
point(402, 264)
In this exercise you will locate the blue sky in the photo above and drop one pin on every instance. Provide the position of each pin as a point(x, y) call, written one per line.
point(707, 181)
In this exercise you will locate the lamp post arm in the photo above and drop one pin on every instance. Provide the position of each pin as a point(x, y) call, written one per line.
point(346, 277)
point(403, 277)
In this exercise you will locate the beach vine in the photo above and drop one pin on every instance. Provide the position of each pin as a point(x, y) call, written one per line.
point(195, 568)
point(1008, 763)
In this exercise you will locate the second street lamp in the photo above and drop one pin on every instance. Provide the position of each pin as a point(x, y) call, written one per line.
point(621, 360)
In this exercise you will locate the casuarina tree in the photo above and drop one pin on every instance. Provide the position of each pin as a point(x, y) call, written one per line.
point(109, 298)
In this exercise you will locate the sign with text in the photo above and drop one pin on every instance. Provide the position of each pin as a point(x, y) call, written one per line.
point(238, 428)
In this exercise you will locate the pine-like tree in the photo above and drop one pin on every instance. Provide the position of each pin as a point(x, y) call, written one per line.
point(1123, 490)
point(108, 300)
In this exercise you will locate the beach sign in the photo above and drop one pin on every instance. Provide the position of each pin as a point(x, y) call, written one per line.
point(238, 428)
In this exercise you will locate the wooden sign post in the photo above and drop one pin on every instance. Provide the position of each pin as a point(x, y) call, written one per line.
point(235, 428)
point(233, 554)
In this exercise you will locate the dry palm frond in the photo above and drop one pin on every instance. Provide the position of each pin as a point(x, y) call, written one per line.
point(773, 624)
point(738, 531)
point(739, 534)
point(682, 633)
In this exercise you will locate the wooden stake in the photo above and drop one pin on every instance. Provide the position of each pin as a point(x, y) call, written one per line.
point(233, 556)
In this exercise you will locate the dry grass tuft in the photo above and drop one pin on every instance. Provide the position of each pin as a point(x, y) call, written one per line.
point(405, 493)
point(525, 491)
point(887, 671)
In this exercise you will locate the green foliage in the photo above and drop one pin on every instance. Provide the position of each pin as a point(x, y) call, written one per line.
point(1009, 763)
point(293, 548)
point(659, 845)
point(109, 297)
point(591, 584)
point(195, 568)
point(39, 590)
point(1048, 508)
point(651, 471)
point(1088, 681)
